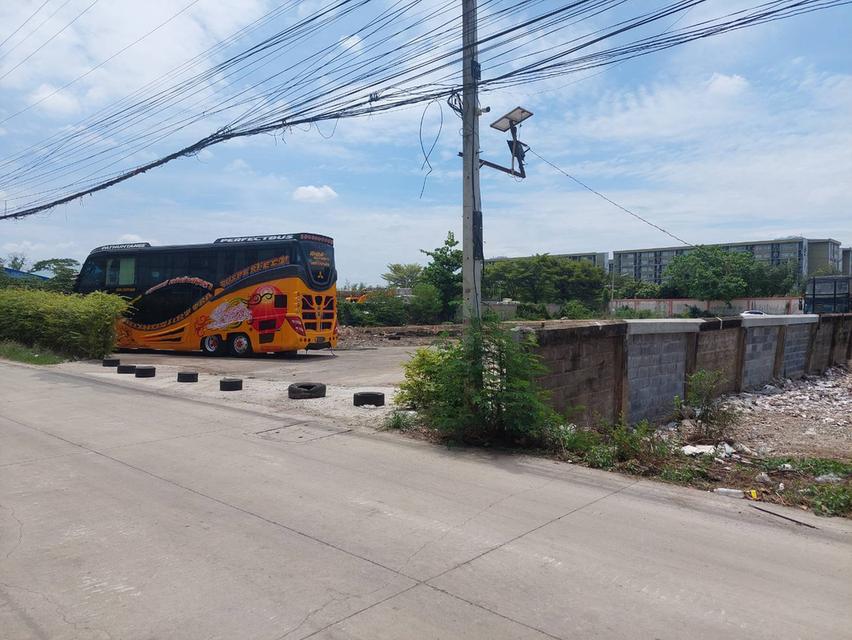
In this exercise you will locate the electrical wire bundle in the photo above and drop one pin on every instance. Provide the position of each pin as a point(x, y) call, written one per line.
point(319, 67)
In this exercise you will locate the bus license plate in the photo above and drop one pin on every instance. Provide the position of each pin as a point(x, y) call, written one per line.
point(319, 339)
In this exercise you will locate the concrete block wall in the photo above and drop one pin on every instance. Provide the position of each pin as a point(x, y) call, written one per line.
point(635, 368)
point(656, 370)
point(796, 341)
point(821, 347)
point(585, 364)
point(761, 343)
point(717, 350)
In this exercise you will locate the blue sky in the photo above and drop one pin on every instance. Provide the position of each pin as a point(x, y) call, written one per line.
point(743, 136)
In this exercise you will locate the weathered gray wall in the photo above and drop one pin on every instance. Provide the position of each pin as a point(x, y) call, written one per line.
point(761, 344)
point(656, 370)
point(796, 343)
point(635, 368)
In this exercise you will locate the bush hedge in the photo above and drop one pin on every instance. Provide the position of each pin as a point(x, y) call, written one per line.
point(75, 325)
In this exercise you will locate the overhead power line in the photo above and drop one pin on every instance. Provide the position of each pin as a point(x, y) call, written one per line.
point(102, 63)
point(50, 39)
point(24, 23)
point(612, 202)
point(403, 53)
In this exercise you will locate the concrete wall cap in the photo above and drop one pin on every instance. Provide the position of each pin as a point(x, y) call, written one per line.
point(671, 325)
point(769, 321)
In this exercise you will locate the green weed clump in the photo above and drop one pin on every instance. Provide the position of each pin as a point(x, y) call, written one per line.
point(11, 350)
point(74, 325)
point(702, 403)
point(812, 466)
point(400, 421)
point(481, 389)
point(830, 499)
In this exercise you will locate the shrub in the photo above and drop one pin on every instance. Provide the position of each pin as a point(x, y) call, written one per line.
point(351, 314)
point(601, 456)
point(531, 311)
point(576, 310)
point(385, 309)
point(713, 418)
point(572, 439)
point(640, 443)
point(426, 304)
point(481, 389)
point(75, 325)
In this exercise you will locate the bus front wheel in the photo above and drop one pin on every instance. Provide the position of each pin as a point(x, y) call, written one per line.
point(212, 345)
point(240, 344)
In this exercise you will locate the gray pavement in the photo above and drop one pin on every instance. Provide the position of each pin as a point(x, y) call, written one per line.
point(126, 514)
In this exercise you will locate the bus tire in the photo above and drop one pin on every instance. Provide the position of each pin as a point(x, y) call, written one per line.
point(212, 345)
point(306, 390)
point(239, 344)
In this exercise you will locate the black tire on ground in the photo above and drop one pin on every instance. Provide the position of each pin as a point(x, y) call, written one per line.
point(369, 397)
point(146, 371)
point(111, 362)
point(231, 384)
point(212, 345)
point(126, 368)
point(187, 376)
point(306, 390)
point(239, 344)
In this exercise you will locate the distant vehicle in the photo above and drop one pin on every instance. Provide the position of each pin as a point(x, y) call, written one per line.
point(238, 295)
point(753, 312)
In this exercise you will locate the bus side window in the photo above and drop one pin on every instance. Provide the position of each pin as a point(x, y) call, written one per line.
point(121, 272)
point(202, 264)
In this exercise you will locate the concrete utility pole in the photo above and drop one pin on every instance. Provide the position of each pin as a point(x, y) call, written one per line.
point(472, 203)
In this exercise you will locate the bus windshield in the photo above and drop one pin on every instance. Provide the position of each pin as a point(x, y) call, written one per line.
point(319, 261)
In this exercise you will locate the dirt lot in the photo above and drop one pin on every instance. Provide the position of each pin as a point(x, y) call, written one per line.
point(411, 336)
point(810, 417)
point(266, 378)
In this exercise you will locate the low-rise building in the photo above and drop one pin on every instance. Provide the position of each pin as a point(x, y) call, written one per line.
point(810, 256)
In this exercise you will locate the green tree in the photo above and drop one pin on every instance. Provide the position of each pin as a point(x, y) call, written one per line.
point(444, 273)
point(709, 273)
point(17, 261)
point(543, 278)
point(63, 270)
point(425, 306)
point(402, 275)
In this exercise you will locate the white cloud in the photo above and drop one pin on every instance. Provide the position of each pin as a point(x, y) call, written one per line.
point(310, 193)
point(352, 42)
point(132, 237)
point(58, 103)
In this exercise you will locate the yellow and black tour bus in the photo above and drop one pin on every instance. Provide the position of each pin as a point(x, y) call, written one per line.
point(236, 295)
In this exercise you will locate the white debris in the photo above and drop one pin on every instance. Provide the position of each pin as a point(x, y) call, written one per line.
point(828, 478)
point(763, 478)
point(699, 449)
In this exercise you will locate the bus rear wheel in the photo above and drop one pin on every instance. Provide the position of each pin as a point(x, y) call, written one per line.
point(240, 344)
point(212, 345)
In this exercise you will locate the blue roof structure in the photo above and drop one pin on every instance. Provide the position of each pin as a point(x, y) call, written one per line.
point(15, 273)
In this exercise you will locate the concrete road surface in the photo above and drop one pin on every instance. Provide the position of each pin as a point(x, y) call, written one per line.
point(129, 515)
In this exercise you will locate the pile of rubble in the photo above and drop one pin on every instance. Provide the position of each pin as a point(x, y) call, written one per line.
point(808, 417)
